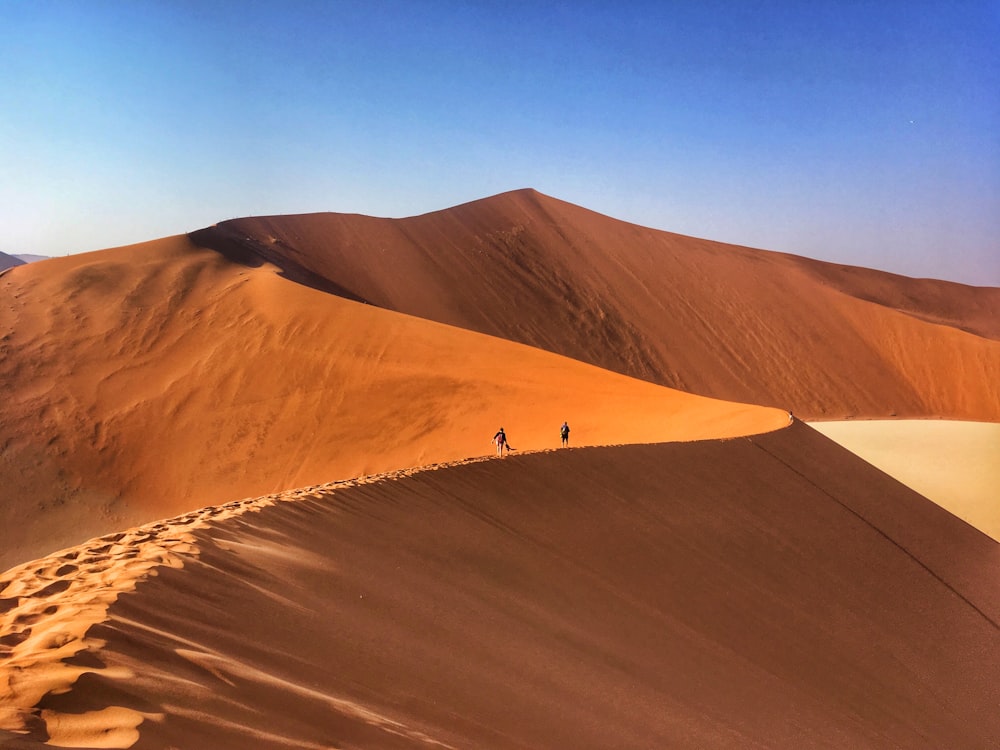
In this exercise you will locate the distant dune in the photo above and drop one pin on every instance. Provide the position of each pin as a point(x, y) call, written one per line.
point(30, 258)
point(766, 592)
point(9, 261)
point(278, 430)
point(826, 341)
point(266, 353)
point(166, 378)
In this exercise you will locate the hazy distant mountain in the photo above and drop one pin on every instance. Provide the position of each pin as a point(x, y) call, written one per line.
point(29, 258)
point(9, 261)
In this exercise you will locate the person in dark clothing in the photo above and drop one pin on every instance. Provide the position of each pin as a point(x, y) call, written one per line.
point(500, 439)
point(564, 434)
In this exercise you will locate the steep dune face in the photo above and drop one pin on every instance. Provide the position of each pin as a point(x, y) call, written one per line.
point(773, 591)
point(714, 319)
point(149, 380)
point(955, 464)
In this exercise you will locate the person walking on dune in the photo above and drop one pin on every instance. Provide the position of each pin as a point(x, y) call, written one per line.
point(564, 434)
point(500, 439)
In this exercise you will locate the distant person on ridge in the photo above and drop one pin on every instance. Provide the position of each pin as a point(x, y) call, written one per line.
point(501, 442)
point(564, 434)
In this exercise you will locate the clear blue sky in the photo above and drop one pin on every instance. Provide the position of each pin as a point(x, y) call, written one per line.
point(859, 132)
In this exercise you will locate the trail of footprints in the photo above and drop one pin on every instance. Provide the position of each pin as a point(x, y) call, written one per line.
point(47, 605)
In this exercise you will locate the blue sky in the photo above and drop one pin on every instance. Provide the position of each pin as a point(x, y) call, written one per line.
point(865, 133)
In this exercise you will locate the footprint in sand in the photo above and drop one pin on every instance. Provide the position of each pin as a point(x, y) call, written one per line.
point(10, 640)
point(31, 619)
point(51, 590)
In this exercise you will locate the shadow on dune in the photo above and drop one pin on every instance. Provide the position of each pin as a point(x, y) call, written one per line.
point(252, 252)
point(772, 591)
point(735, 323)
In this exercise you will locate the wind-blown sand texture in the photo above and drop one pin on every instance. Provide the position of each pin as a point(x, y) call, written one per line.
point(749, 584)
point(955, 464)
point(826, 341)
point(145, 381)
point(635, 596)
point(168, 378)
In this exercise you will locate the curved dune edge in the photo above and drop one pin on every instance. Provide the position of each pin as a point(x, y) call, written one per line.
point(956, 464)
point(795, 584)
point(825, 340)
point(206, 381)
point(48, 605)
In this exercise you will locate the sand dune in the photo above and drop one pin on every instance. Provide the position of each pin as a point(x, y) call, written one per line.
point(955, 464)
point(150, 380)
point(751, 584)
point(772, 592)
point(824, 340)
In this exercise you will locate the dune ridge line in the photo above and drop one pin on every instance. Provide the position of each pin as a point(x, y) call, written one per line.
point(48, 605)
point(875, 527)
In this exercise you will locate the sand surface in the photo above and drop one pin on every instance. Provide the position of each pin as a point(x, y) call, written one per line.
point(955, 464)
point(270, 353)
point(772, 591)
point(169, 378)
point(706, 574)
point(824, 340)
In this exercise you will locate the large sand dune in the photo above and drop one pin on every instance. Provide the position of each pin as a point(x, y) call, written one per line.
point(826, 341)
point(765, 592)
point(149, 380)
point(743, 586)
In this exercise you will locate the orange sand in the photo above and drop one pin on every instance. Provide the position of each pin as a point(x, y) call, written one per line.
point(743, 586)
point(772, 591)
point(823, 340)
point(168, 379)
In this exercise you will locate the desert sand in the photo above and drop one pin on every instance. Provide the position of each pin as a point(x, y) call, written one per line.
point(250, 500)
point(955, 464)
point(169, 378)
point(826, 341)
point(636, 596)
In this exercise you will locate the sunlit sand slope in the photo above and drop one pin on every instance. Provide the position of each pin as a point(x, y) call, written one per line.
point(773, 591)
point(720, 320)
point(955, 464)
point(145, 381)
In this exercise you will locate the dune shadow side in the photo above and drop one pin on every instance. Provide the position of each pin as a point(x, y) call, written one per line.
point(622, 596)
point(251, 252)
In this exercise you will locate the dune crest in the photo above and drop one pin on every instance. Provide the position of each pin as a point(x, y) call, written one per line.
point(48, 605)
point(734, 323)
point(768, 591)
point(169, 378)
point(715, 574)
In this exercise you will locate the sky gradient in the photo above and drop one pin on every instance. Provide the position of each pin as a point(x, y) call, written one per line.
point(864, 133)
